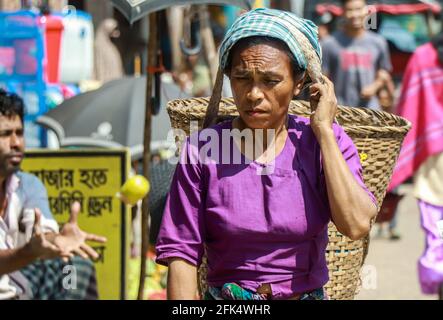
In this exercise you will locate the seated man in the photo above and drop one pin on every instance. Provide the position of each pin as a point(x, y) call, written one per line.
point(43, 266)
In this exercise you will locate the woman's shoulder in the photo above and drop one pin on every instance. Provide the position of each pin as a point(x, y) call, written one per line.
point(217, 128)
point(225, 124)
point(199, 142)
point(299, 120)
point(303, 124)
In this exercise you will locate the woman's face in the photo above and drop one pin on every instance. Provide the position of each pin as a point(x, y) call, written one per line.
point(263, 84)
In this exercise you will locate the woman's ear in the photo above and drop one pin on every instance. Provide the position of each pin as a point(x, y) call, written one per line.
point(299, 84)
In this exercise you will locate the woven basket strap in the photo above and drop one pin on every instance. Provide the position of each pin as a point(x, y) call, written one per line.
point(214, 102)
point(313, 60)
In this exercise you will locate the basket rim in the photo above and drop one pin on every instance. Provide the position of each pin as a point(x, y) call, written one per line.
point(402, 124)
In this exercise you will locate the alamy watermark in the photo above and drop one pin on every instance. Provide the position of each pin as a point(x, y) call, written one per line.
point(370, 22)
point(225, 146)
point(70, 280)
point(369, 277)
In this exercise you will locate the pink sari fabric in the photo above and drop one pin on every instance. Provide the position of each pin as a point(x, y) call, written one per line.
point(430, 264)
point(421, 102)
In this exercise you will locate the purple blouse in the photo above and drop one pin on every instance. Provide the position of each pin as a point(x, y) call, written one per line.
point(256, 228)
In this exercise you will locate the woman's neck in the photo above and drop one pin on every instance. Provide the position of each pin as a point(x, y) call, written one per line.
point(271, 140)
point(279, 128)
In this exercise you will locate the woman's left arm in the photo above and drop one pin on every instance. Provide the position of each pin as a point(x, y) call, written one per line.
point(351, 207)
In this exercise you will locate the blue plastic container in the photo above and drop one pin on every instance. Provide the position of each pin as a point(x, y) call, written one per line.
point(21, 67)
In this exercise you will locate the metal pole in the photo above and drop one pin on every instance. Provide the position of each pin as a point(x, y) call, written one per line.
point(208, 41)
point(152, 57)
point(175, 22)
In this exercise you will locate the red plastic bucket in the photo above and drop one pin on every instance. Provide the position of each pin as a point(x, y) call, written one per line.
point(53, 35)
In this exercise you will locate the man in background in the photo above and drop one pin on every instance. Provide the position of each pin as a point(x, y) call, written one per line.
point(33, 253)
point(357, 60)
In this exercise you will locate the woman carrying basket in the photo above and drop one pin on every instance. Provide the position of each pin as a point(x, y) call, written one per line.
point(263, 221)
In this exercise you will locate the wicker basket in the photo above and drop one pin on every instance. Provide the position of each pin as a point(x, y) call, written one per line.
point(378, 137)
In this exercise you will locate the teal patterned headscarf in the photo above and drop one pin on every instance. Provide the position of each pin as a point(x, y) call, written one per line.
point(300, 35)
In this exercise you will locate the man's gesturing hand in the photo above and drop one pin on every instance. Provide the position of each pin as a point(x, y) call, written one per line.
point(40, 246)
point(73, 240)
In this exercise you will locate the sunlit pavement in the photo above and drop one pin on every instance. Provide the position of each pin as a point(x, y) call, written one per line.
point(395, 262)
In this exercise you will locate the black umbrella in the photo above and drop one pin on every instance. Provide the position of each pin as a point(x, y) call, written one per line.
point(112, 116)
point(137, 9)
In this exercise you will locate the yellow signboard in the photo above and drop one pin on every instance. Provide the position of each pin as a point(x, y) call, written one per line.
point(92, 177)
